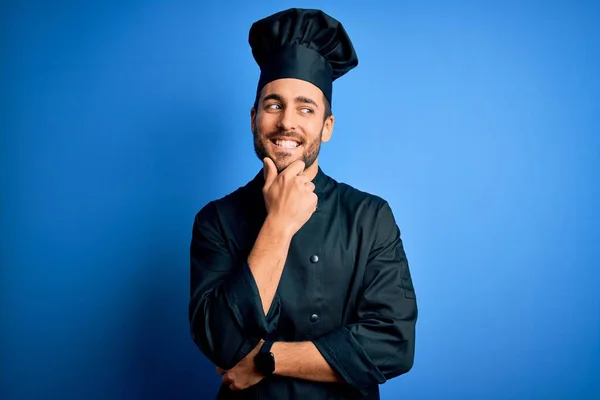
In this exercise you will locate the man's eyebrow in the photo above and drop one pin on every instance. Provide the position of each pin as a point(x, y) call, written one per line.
point(297, 100)
point(306, 100)
point(273, 96)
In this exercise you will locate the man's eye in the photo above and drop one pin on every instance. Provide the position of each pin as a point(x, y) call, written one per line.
point(306, 110)
point(274, 106)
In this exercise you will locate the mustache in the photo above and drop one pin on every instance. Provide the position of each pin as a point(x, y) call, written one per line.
point(281, 133)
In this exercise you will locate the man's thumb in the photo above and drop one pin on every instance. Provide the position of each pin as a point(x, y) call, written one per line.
point(269, 171)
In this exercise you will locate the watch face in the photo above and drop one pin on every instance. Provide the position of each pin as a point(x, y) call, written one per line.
point(265, 363)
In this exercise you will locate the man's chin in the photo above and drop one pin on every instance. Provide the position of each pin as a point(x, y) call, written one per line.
point(282, 162)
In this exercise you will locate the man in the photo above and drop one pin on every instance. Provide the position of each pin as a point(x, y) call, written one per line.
point(300, 287)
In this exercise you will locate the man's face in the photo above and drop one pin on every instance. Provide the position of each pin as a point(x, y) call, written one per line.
point(289, 123)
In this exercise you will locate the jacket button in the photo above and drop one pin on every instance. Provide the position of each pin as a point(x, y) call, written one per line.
point(314, 318)
point(314, 258)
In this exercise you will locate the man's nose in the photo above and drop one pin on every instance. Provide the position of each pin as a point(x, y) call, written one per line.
point(288, 120)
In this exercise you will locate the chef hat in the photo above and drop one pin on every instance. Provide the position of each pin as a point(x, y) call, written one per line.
point(302, 44)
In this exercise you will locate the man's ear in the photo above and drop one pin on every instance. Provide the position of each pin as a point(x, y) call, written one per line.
point(328, 128)
point(252, 119)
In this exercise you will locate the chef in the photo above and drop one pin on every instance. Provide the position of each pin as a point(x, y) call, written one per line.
point(300, 286)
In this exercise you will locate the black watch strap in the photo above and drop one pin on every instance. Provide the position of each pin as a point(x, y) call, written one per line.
point(265, 359)
point(266, 347)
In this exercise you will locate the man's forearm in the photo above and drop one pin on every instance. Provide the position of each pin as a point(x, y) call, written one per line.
point(267, 259)
point(302, 360)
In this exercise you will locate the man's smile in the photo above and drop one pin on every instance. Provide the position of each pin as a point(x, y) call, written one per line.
point(285, 143)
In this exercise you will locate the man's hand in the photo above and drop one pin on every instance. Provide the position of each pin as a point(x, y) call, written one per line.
point(244, 374)
point(289, 196)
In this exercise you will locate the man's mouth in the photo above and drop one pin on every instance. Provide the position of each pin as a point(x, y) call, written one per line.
point(285, 143)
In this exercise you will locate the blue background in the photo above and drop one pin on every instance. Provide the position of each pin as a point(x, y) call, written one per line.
point(477, 121)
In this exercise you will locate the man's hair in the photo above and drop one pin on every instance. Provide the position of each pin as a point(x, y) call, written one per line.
point(327, 114)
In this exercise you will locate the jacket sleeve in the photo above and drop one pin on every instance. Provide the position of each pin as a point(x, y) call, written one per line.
point(380, 343)
point(225, 310)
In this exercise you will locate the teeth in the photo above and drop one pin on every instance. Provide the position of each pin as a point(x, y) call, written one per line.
point(288, 144)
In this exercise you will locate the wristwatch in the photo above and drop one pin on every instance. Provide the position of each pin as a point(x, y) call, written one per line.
point(265, 359)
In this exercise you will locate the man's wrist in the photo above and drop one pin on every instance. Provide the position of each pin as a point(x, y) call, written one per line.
point(277, 228)
point(264, 360)
point(276, 349)
point(282, 361)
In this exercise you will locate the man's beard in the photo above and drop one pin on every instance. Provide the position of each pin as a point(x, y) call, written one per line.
point(282, 159)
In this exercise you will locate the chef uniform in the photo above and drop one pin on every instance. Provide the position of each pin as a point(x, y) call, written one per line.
point(346, 284)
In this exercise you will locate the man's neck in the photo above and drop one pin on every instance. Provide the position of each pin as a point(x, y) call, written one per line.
point(311, 172)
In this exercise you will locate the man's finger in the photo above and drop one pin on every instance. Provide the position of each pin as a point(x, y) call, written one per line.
point(295, 168)
point(269, 172)
point(303, 179)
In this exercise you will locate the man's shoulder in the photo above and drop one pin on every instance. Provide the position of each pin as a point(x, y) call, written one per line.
point(232, 205)
point(352, 197)
point(370, 211)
